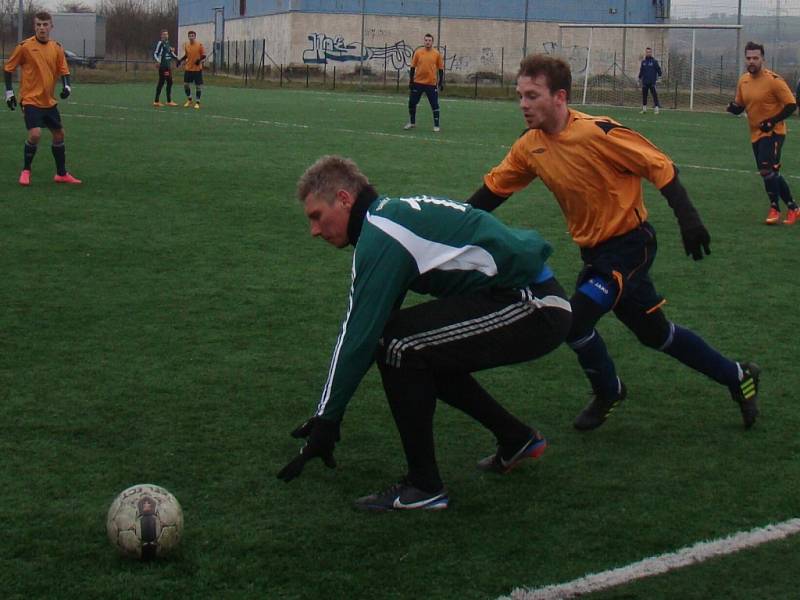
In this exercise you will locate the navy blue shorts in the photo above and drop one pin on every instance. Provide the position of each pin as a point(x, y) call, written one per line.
point(195, 77)
point(619, 270)
point(42, 117)
point(431, 91)
point(767, 151)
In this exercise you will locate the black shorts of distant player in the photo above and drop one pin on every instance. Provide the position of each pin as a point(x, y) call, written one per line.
point(42, 117)
point(195, 77)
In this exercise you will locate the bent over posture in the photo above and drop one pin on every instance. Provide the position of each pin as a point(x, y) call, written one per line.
point(594, 166)
point(497, 303)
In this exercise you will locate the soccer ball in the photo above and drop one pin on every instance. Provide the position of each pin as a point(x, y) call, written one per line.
point(145, 521)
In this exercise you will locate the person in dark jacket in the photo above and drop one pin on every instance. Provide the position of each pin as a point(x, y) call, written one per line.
point(649, 72)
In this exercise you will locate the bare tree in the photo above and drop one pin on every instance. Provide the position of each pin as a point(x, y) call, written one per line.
point(73, 6)
point(133, 26)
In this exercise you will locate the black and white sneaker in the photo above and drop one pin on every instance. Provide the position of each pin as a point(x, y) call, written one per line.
point(746, 393)
point(598, 409)
point(403, 496)
point(496, 463)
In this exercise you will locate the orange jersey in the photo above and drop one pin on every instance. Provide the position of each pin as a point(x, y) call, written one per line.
point(193, 53)
point(426, 63)
point(594, 167)
point(763, 96)
point(41, 64)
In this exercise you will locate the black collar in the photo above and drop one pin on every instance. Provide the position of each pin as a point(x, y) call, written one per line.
point(359, 211)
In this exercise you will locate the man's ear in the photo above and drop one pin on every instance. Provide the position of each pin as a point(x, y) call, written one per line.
point(345, 197)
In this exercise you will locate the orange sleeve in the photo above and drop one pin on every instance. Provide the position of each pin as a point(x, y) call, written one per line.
point(632, 152)
point(440, 63)
point(739, 100)
point(415, 59)
point(14, 60)
point(782, 92)
point(512, 174)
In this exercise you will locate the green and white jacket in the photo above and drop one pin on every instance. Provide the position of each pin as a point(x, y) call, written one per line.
point(428, 245)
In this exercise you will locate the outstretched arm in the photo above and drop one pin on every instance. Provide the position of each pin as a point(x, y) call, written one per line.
point(695, 236)
point(486, 199)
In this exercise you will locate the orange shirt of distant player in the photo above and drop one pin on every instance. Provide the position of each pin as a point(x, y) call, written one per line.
point(193, 53)
point(763, 96)
point(41, 65)
point(426, 63)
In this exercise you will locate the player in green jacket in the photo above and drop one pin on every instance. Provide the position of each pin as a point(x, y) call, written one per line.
point(497, 303)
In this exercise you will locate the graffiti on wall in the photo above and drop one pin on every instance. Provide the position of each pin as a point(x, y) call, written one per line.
point(325, 49)
point(576, 56)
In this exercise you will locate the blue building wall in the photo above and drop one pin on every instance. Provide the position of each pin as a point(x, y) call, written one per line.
point(574, 11)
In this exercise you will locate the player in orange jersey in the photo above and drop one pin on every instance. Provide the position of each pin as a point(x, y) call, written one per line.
point(425, 77)
point(594, 166)
point(42, 60)
point(768, 101)
point(193, 55)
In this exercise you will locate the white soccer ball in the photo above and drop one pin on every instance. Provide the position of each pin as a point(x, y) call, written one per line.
point(145, 521)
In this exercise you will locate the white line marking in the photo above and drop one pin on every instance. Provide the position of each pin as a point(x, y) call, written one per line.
point(439, 140)
point(658, 565)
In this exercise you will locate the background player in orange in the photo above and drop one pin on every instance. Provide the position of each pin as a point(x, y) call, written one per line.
point(193, 54)
point(425, 77)
point(42, 61)
point(768, 101)
point(594, 166)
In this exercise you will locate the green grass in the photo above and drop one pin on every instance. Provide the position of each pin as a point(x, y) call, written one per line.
point(170, 321)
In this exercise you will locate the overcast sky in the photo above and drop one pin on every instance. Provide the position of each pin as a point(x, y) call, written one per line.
point(680, 8)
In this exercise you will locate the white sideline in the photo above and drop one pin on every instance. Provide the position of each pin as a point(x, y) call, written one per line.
point(658, 565)
point(439, 140)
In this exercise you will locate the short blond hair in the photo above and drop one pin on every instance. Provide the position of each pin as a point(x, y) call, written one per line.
point(329, 174)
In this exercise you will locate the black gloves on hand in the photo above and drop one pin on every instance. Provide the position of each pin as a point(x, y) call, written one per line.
point(65, 92)
point(695, 236)
point(696, 239)
point(766, 125)
point(735, 109)
point(197, 62)
point(11, 101)
point(322, 436)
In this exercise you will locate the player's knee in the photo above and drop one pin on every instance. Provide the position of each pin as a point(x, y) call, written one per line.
point(58, 136)
point(767, 173)
point(586, 312)
point(34, 135)
point(651, 329)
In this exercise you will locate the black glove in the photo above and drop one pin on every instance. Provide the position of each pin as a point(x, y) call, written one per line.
point(735, 109)
point(696, 239)
point(65, 92)
point(411, 85)
point(322, 435)
point(695, 236)
point(197, 62)
point(441, 86)
point(766, 125)
point(11, 101)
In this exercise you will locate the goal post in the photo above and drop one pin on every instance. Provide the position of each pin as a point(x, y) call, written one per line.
point(700, 63)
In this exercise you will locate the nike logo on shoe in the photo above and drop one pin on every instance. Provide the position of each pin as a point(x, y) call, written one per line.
point(439, 501)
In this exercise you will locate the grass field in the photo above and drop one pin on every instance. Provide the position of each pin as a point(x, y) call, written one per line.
point(171, 320)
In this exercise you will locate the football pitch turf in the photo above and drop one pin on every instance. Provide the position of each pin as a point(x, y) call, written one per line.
point(171, 320)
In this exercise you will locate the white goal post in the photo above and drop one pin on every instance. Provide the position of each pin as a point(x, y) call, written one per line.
point(692, 74)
